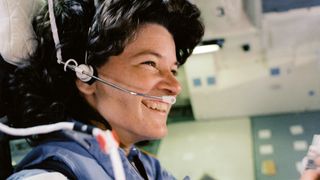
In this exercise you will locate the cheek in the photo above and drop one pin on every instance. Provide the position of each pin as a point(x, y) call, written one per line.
point(114, 104)
point(146, 84)
point(139, 81)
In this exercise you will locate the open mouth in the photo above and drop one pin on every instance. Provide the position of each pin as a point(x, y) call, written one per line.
point(157, 106)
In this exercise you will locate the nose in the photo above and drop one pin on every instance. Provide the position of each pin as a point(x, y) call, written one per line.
point(170, 84)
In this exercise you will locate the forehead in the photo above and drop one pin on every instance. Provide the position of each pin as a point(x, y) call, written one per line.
point(153, 38)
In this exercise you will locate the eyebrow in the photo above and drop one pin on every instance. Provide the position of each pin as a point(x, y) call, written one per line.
point(147, 52)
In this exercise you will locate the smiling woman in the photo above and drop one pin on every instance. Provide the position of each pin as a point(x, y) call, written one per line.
point(134, 44)
point(146, 65)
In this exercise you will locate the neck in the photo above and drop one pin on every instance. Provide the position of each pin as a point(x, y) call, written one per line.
point(99, 124)
point(126, 148)
point(124, 142)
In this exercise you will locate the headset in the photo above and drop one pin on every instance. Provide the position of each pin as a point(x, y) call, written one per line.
point(87, 73)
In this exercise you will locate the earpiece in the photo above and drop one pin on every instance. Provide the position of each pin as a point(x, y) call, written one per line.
point(85, 73)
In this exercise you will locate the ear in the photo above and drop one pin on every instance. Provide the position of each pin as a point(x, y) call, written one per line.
point(86, 88)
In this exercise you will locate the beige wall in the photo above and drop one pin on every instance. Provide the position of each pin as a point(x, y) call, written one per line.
point(219, 148)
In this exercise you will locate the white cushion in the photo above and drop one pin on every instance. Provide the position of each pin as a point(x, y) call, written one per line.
point(17, 40)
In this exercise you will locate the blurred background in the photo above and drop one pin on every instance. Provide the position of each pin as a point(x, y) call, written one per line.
point(251, 102)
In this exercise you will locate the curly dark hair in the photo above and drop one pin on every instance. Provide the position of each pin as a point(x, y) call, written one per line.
point(41, 92)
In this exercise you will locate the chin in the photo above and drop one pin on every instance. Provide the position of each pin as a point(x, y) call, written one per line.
point(159, 134)
point(153, 135)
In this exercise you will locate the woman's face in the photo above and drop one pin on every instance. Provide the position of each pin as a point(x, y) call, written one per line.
point(147, 65)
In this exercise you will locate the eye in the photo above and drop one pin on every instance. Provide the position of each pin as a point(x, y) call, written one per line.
point(150, 63)
point(174, 72)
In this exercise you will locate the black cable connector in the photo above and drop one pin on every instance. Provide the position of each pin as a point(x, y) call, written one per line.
point(80, 127)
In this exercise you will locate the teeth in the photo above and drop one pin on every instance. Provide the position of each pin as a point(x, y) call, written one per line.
point(157, 106)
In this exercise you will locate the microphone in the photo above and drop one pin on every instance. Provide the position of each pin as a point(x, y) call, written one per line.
point(86, 72)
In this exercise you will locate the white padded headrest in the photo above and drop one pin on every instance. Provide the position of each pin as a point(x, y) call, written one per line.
point(17, 40)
